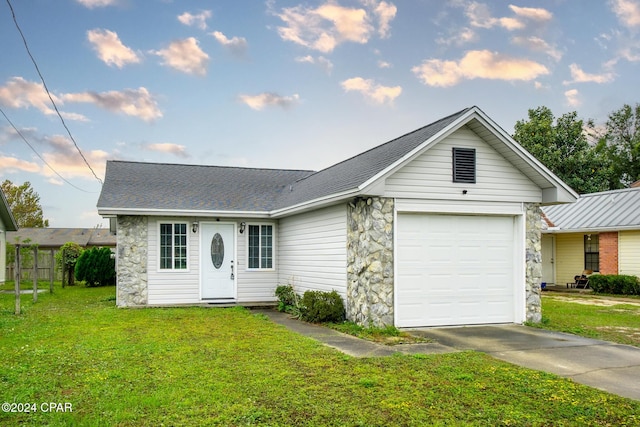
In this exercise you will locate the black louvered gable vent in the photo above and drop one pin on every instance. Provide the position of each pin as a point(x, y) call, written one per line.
point(464, 165)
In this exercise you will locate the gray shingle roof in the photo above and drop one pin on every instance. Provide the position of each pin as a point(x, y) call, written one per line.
point(162, 186)
point(617, 209)
point(134, 185)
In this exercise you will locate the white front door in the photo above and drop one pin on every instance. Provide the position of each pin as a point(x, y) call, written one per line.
point(217, 261)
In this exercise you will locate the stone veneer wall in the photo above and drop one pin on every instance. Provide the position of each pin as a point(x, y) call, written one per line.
point(132, 261)
point(370, 261)
point(533, 247)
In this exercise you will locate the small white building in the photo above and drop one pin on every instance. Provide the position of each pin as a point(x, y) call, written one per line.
point(440, 226)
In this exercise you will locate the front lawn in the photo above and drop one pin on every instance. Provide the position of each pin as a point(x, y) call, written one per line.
point(228, 367)
point(609, 318)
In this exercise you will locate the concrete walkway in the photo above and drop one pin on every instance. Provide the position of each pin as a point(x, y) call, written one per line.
point(604, 365)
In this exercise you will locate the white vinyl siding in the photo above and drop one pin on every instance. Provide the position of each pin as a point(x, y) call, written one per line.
point(429, 176)
point(255, 285)
point(183, 286)
point(629, 252)
point(172, 286)
point(313, 250)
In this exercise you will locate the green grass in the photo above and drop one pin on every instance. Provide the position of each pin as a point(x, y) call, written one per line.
point(618, 323)
point(389, 335)
point(228, 367)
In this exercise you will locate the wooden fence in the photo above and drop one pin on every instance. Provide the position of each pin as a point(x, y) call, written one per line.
point(46, 266)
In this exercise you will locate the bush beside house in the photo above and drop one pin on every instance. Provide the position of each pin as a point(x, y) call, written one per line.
point(620, 284)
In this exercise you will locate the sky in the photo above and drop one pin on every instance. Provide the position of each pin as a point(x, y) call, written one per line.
point(284, 84)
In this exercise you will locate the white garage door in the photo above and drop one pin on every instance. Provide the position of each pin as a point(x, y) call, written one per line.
point(454, 270)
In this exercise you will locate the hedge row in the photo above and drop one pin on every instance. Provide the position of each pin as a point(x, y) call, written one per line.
point(620, 284)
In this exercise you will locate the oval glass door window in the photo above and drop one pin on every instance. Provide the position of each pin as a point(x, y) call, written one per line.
point(217, 250)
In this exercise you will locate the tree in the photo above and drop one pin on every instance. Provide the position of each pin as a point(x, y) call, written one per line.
point(561, 145)
point(66, 258)
point(621, 143)
point(25, 205)
point(96, 267)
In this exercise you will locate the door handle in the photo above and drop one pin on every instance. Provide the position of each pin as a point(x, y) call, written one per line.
point(232, 275)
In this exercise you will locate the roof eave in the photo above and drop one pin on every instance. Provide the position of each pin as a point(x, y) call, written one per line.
point(111, 212)
point(591, 229)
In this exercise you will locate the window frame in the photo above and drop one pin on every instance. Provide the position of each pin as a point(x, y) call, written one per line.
point(248, 257)
point(588, 246)
point(173, 224)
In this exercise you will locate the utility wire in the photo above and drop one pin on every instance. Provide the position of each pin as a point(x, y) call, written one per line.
point(55, 107)
point(37, 154)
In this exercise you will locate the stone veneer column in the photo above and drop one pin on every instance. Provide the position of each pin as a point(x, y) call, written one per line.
point(131, 277)
point(533, 245)
point(370, 261)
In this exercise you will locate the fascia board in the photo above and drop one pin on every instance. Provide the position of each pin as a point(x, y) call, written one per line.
point(590, 229)
point(315, 204)
point(110, 212)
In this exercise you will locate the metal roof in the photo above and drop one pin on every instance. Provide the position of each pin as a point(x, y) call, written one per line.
point(608, 210)
point(56, 237)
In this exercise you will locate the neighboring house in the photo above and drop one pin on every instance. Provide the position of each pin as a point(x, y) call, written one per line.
point(600, 232)
point(7, 224)
point(50, 240)
point(440, 226)
point(54, 238)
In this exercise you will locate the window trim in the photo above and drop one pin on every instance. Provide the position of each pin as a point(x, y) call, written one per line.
point(584, 250)
point(173, 223)
point(273, 246)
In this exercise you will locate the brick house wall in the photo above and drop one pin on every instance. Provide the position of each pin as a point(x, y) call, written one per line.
point(608, 252)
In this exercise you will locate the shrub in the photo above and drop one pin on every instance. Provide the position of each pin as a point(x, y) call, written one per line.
point(321, 307)
point(96, 267)
point(619, 284)
point(286, 297)
point(66, 259)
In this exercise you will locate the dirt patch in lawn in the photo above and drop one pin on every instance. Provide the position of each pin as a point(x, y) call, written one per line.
point(600, 301)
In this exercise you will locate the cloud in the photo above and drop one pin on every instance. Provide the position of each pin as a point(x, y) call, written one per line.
point(185, 55)
point(627, 11)
point(475, 64)
point(384, 64)
point(91, 4)
point(328, 25)
point(372, 91)
point(385, 13)
point(572, 97)
point(175, 149)
point(60, 153)
point(480, 16)
point(459, 37)
point(538, 45)
point(132, 102)
point(110, 49)
point(579, 76)
point(320, 61)
point(13, 164)
point(198, 20)
point(265, 99)
point(236, 45)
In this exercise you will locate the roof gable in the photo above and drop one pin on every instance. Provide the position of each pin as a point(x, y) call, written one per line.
point(608, 210)
point(200, 190)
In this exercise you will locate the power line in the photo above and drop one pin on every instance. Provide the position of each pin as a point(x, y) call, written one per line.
point(55, 107)
point(37, 154)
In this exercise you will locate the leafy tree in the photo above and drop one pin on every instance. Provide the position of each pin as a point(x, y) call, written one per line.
point(96, 267)
point(621, 144)
point(561, 145)
point(66, 258)
point(25, 204)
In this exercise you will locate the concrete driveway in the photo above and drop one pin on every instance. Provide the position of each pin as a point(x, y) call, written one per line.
point(611, 367)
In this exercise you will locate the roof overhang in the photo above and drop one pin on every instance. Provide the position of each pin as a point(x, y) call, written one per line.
point(6, 215)
point(113, 212)
point(588, 230)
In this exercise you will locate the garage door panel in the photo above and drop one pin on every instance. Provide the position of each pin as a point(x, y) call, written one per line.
point(454, 269)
